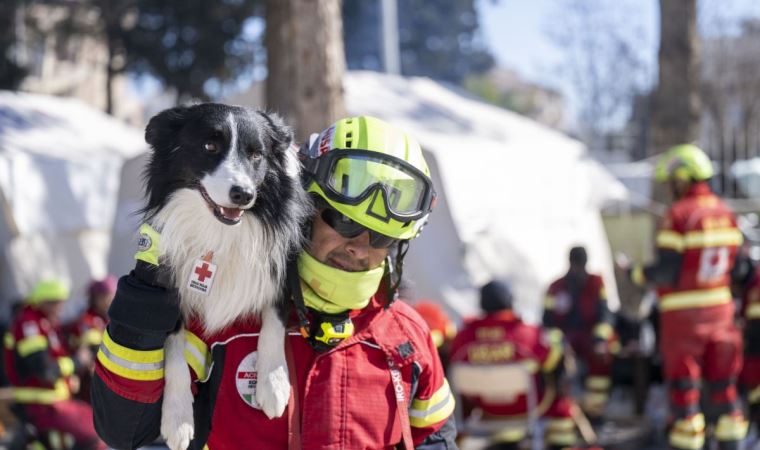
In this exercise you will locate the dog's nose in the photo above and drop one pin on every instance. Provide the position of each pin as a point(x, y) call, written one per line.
point(240, 195)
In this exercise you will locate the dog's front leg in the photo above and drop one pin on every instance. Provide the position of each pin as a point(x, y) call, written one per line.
point(273, 390)
point(177, 425)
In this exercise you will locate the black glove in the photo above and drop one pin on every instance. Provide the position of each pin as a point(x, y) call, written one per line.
point(145, 308)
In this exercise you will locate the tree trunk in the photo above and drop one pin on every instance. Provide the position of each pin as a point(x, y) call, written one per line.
point(305, 62)
point(676, 106)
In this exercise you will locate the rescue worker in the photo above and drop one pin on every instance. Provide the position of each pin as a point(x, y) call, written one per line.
point(442, 328)
point(86, 333)
point(746, 281)
point(41, 372)
point(576, 304)
point(696, 245)
point(363, 367)
point(500, 337)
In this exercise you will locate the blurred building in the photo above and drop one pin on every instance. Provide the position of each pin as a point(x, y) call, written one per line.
point(65, 63)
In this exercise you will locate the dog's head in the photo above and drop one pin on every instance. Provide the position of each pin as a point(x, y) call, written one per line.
point(231, 155)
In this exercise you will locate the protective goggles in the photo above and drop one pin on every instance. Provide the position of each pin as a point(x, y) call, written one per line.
point(349, 177)
point(349, 229)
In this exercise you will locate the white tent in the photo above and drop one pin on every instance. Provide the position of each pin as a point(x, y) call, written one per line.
point(60, 162)
point(514, 196)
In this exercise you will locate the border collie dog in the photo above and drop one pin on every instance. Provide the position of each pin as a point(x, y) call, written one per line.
point(223, 187)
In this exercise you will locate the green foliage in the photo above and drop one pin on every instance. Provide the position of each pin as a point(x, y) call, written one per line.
point(187, 44)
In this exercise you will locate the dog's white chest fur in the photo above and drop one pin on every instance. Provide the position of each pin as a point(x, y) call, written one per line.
point(244, 254)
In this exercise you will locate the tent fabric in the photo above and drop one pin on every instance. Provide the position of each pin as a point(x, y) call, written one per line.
point(514, 195)
point(60, 162)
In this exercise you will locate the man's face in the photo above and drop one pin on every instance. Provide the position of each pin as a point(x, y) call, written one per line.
point(679, 188)
point(349, 254)
point(102, 302)
point(51, 310)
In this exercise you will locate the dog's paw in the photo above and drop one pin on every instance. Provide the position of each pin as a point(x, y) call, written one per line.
point(273, 390)
point(180, 437)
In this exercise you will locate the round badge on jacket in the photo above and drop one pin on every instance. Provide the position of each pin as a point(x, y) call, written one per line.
point(246, 379)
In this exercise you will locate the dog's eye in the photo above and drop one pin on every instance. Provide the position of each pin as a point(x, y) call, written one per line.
point(211, 147)
point(256, 155)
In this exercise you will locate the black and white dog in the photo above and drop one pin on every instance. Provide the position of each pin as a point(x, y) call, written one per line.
point(223, 182)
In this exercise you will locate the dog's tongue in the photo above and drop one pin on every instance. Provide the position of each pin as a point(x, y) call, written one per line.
point(231, 213)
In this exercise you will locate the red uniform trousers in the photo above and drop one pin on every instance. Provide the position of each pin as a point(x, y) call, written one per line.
point(702, 344)
point(65, 424)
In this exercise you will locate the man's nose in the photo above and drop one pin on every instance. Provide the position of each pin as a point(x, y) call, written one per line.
point(358, 246)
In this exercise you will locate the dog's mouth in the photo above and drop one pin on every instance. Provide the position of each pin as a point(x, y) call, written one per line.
point(228, 216)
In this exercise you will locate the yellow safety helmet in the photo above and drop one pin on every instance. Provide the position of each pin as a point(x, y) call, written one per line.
point(685, 162)
point(373, 174)
point(48, 291)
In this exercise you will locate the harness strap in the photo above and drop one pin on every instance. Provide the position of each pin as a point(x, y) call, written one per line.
point(294, 407)
point(401, 406)
point(294, 284)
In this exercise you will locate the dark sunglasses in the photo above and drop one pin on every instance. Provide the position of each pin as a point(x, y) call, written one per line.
point(349, 229)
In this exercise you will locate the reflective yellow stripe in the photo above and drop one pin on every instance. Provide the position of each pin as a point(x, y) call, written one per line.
point(138, 356)
point(690, 441)
point(8, 341)
point(724, 237)
point(549, 302)
point(637, 275)
point(598, 383)
point(509, 435)
point(753, 311)
point(594, 400)
point(691, 424)
point(437, 338)
point(55, 441)
point(563, 438)
point(92, 337)
point(603, 331)
point(731, 428)
point(32, 344)
point(754, 395)
point(128, 363)
point(671, 240)
point(554, 357)
point(688, 433)
point(437, 408)
point(561, 424)
point(197, 355)
point(42, 395)
point(695, 299)
point(555, 336)
point(66, 365)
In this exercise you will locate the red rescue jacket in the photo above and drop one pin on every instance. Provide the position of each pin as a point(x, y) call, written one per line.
point(346, 397)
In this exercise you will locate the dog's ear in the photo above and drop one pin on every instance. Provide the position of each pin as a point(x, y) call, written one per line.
point(280, 133)
point(164, 126)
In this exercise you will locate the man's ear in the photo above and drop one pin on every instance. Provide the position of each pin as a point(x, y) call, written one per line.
point(280, 133)
point(163, 127)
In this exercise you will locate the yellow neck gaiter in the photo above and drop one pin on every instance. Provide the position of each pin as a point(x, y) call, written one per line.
point(332, 290)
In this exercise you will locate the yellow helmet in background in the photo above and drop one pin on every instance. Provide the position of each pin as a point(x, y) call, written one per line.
point(48, 291)
point(372, 173)
point(685, 162)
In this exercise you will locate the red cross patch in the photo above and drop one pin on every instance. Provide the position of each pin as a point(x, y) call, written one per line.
point(202, 276)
